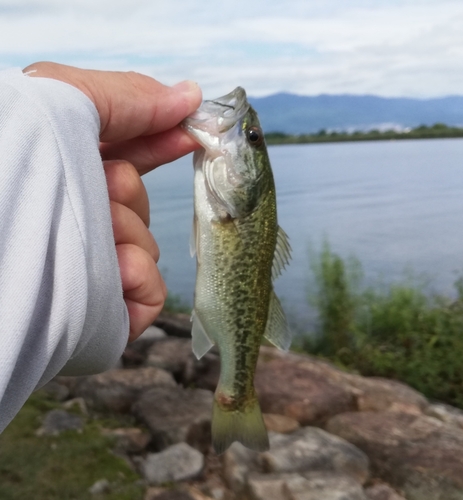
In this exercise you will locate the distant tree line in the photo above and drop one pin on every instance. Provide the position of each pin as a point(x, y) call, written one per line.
point(436, 131)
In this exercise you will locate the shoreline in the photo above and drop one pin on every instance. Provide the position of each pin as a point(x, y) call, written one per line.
point(437, 131)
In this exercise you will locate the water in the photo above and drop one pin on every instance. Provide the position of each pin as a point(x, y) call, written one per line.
point(395, 205)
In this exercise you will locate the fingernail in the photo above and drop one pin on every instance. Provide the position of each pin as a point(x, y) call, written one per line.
point(187, 87)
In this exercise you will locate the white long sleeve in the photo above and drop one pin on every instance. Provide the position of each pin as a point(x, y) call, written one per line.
point(61, 304)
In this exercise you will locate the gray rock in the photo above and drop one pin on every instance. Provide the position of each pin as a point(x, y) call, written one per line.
point(116, 390)
point(78, 403)
point(382, 492)
point(57, 421)
point(326, 486)
point(207, 371)
point(173, 355)
point(176, 324)
point(417, 454)
point(269, 487)
point(55, 390)
point(174, 495)
point(101, 486)
point(312, 449)
point(128, 439)
point(310, 486)
point(135, 353)
point(175, 414)
point(238, 463)
point(179, 462)
point(446, 413)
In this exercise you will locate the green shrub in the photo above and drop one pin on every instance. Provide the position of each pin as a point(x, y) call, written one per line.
point(396, 331)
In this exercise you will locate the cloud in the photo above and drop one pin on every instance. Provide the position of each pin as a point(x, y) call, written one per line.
point(394, 47)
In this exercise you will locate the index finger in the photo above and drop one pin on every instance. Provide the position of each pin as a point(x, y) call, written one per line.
point(129, 104)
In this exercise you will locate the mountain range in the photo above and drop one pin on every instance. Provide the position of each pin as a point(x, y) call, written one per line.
point(297, 114)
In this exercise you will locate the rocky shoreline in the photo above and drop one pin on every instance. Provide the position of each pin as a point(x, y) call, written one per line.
point(334, 435)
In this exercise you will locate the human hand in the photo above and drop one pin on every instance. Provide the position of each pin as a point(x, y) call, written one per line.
point(139, 131)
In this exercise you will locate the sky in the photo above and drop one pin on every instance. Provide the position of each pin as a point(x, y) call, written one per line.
point(409, 48)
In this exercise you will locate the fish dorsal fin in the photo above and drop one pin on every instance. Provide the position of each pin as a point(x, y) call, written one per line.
point(277, 330)
point(201, 343)
point(282, 253)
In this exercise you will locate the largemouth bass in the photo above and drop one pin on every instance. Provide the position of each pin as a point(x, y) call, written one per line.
point(239, 250)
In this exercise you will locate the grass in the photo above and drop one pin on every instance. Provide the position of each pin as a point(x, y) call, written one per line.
point(394, 331)
point(60, 467)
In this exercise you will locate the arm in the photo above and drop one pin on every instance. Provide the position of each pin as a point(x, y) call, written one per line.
point(62, 305)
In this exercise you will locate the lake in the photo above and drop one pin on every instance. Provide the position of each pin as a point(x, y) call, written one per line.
point(395, 205)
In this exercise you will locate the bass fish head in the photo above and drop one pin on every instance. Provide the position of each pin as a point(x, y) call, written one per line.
point(234, 160)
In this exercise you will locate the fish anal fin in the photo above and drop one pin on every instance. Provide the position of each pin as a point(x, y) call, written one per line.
point(245, 426)
point(201, 343)
point(277, 330)
point(282, 253)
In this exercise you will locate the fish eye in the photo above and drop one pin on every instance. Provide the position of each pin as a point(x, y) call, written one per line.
point(255, 136)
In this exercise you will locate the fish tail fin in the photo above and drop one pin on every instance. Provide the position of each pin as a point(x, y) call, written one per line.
point(246, 426)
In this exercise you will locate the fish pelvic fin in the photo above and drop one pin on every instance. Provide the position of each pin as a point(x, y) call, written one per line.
point(246, 426)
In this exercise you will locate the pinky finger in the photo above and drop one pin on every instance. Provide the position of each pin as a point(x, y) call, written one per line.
point(143, 287)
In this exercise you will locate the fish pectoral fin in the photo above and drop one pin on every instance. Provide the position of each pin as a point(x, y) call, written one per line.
point(282, 253)
point(194, 237)
point(201, 343)
point(277, 330)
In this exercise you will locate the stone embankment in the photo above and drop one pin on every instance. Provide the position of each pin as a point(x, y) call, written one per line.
point(333, 435)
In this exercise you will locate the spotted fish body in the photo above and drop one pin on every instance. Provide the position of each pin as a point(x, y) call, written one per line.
point(239, 248)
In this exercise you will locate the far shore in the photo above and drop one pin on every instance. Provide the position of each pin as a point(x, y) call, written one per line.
point(437, 131)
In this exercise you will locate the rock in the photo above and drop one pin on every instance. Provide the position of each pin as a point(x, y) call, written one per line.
point(153, 492)
point(312, 449)
point(310, 486)
point(57, 421)
point(174, 495)
point(176, 414)
point(238, 463)
point(167, 494)
point(379, 394)
point(175, 324)
point(289, 389)
point(76, 402)
point(151, 334)
point(207, 371)
point(382, 492)
point(55, 390)
point(173, 355)
point(268, 487)
point(324, 485)
point(128, 440)
point(308, 449)
point(280, 423)
point(417, 454)
point(311, 390)
point(446, 413)
point(101, 486)
point(116, 390)
point(179, 462)
point(135, 353)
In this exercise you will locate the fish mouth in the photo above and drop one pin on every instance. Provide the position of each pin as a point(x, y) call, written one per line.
point(216, 116)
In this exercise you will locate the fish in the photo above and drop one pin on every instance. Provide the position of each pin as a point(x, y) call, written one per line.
point(240, 250)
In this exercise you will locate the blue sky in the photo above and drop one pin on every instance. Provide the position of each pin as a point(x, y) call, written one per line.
point(385, 47)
